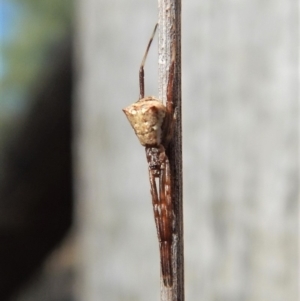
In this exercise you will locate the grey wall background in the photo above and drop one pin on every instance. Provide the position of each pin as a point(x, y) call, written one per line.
point(240, 123)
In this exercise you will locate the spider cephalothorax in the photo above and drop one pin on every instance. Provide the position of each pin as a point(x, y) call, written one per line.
point(153, 124)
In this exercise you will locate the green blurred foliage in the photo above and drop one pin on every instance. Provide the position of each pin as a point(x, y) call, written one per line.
point(39, 25)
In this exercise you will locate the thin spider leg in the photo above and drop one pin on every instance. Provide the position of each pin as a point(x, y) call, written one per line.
point(141, 72)
point(168, 124)
point(153, 190)
point(170, 87)
point(167, 187)
point(155, 202)
point(166, 223)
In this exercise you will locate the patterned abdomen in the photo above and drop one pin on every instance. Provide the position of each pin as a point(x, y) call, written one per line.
point(146, 117)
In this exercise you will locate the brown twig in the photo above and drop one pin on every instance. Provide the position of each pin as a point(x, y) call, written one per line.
point(169, 21)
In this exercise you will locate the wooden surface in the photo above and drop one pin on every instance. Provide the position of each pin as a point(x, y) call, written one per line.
point(240, 127)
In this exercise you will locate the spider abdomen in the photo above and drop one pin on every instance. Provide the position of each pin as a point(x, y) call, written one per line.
point(146, 117)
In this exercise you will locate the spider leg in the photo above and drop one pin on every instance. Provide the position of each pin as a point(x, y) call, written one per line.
point(141, 72)
point(155, 202)
point(159, 168)
point(166, 220)
point(168, 125)
point(169, 104)
point(154, 171)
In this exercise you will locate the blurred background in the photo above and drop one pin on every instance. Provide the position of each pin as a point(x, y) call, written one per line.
point(76, 221)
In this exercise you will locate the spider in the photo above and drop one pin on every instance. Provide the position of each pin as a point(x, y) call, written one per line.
point(153, 123)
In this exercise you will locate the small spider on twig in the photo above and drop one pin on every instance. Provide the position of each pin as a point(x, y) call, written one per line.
point(153, 123)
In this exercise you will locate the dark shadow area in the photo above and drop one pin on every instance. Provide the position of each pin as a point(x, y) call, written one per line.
point(36, 191)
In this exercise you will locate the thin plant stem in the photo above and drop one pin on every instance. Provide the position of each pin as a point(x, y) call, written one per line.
point(169, 21)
